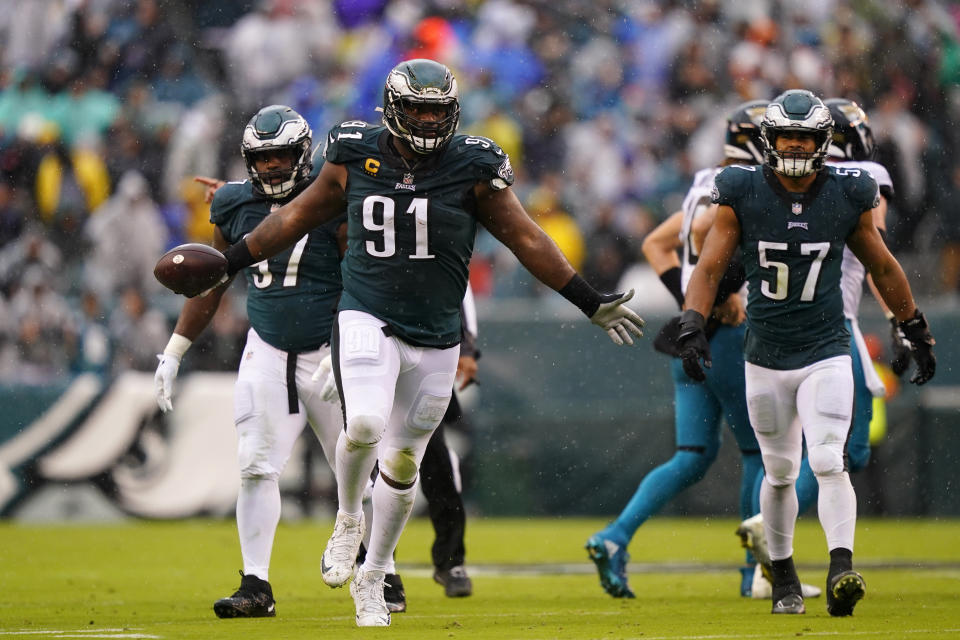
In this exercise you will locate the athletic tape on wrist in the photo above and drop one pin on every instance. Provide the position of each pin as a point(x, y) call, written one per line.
point(177, 346)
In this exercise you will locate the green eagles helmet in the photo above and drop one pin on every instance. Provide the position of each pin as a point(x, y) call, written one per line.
point(852, 136)
point(421, 81)
point(277, 128)
point(744, 141)
point(796, 110)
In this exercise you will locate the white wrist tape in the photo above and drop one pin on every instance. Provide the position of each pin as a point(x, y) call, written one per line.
point(177, 346)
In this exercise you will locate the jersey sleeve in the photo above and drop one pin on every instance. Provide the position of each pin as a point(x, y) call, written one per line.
point(728, 186)
point(863, 192)
point(487, 161)
point(344, 142)
point(224, 204)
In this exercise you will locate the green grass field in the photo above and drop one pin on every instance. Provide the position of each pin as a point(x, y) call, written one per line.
point(531, 580)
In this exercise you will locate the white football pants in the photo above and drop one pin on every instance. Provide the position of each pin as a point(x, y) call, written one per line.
point(266, 433)
point(821, 395)
point(395, 395)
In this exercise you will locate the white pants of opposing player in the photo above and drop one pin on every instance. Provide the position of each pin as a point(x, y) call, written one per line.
point(395, 395)
point(821, 395)
point(266, 433)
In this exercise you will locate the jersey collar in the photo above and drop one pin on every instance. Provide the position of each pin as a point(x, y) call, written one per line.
point(790, 196)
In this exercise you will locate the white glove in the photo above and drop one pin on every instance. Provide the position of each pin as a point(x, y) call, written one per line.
point(163, 380)
point(618, 320)
point(324, 372)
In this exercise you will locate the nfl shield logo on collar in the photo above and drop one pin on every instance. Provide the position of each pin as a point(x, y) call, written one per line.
point(408, 178)
point(797, 208)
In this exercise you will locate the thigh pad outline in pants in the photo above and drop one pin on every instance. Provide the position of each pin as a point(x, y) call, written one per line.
point(420, 406)
point(771, 404)
point(266, 431)
point(369, 365)
point(826, 408)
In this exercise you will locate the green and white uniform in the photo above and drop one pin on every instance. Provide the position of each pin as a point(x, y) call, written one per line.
point(411, 228)
point(293, 295)
point(792, 252)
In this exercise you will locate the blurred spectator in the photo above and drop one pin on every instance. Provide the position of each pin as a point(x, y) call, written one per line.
point(12, 214)
point(139, 332)
point(30, 249)
point(45, 333)
point(127, 236)
point(93, 344)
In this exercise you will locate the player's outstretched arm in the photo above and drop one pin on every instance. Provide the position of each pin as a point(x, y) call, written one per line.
point(891, 283)
point(718, 249)
point(502, 214)
point(194, 318)
point(320, 202)
point(660, 249)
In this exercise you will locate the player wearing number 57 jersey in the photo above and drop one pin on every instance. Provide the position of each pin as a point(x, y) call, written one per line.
point(791, 218)
point(414, 192)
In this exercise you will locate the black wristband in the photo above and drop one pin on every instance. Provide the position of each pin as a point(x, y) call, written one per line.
point(671, 280)
point(238, 256)
point(691, 321)
point(579, 292)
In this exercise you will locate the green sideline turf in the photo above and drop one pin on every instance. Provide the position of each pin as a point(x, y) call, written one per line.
point(531, 580)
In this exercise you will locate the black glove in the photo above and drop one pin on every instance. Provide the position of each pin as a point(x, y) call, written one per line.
point(900, 347)
point(917, 333)
point(693, 345)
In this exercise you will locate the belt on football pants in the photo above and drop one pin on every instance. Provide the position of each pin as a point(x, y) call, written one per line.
point(293, 402)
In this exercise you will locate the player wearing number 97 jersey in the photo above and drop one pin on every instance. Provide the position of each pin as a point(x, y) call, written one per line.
point(791, 218)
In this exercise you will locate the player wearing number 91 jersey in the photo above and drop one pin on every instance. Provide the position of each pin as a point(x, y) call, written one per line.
point(411, 229)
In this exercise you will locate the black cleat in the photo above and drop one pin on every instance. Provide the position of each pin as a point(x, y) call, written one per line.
point(394, 594)
point(456, 583)
point(254, 599)
point(844, 590)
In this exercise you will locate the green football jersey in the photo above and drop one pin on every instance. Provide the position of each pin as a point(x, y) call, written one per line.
point(792, 247)
point(291, 297)
point(411, 228)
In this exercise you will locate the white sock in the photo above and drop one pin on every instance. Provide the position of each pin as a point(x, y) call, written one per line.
point(837, 506)
point(391, 508)
point(258, 512)
point(779, 508)
point(354, 465)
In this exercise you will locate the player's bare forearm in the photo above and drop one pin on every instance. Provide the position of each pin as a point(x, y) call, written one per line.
point(504, 217)
point(718, 248)
point(321, 202)
point(197, 313)
point(888, 276)
point(660, 246)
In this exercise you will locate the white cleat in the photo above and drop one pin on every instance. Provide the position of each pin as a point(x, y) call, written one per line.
point(367, 592)
point(761, 589)
point(340, 556)
point(753, 537)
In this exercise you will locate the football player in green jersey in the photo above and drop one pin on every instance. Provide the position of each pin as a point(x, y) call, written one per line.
point(792, 218)
point(290, 303)
point(414, 192)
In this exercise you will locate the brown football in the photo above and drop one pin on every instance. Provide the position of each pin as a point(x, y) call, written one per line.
point(190, 269)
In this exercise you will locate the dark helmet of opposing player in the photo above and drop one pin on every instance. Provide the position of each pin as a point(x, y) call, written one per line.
point(274, 129)
point(796, 110)
point(744, 141)
point(852, 136)
point(418, 82)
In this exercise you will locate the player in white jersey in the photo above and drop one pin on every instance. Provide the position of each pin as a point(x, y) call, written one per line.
point(700, 408)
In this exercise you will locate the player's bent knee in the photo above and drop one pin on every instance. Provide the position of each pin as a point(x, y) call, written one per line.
point(780, 471)
point(253, 456)
point(693, 464)
point(825, 459)
point(400, 465)
point(365, 430)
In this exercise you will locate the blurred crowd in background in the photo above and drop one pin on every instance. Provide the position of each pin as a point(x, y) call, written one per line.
point(109, 108)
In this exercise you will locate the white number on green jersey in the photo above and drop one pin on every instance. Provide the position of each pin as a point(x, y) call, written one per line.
point(264, 278)
point(778, 289)
point(386, 245)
